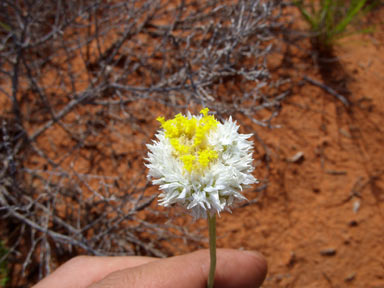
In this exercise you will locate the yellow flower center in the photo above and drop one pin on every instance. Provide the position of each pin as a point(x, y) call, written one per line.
point(188, 138)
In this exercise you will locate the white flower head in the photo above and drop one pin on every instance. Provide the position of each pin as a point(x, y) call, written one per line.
point(200, 163)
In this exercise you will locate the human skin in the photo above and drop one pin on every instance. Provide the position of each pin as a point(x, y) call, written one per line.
point(234, 269)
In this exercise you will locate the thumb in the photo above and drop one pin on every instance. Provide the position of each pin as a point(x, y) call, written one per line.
point(234, 269)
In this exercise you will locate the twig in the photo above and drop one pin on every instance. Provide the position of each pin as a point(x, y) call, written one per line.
point(328, 90)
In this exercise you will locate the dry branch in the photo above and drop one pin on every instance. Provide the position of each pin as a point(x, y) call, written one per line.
point(81, 81)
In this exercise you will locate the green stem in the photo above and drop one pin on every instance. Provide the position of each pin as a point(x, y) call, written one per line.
point(212, 248)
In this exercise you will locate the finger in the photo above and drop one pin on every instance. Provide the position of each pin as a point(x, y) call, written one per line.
point(234, 269)
point(82, 271)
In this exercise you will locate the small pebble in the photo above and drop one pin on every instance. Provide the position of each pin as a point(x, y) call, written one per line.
point(316, 190)
point(356, 206)
point(350, 277)
point(353, 223)
point(328, 252)
point(297, 158)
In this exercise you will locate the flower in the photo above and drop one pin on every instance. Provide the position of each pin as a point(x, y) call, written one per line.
point(200, 163)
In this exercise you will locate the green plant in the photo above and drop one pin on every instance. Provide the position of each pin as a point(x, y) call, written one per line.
point(3, 265)
point(329, 20)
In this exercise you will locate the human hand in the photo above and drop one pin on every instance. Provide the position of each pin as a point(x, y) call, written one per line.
point(234, 269)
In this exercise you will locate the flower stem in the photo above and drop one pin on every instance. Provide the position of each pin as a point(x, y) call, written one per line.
point(212, 248)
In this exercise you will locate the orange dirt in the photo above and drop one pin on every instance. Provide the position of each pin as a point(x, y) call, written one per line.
point(320, 222)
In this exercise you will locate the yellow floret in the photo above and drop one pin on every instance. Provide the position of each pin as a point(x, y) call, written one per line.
point(190, 127)
point(179, 148)
point(199, 136)
point(161, 119)
point(188, 161)
point(204, 111)
point(205, 157)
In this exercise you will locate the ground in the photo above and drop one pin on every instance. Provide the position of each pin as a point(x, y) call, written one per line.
point(319, 223)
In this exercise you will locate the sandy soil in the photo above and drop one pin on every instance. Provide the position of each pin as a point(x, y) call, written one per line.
point(320, 222)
